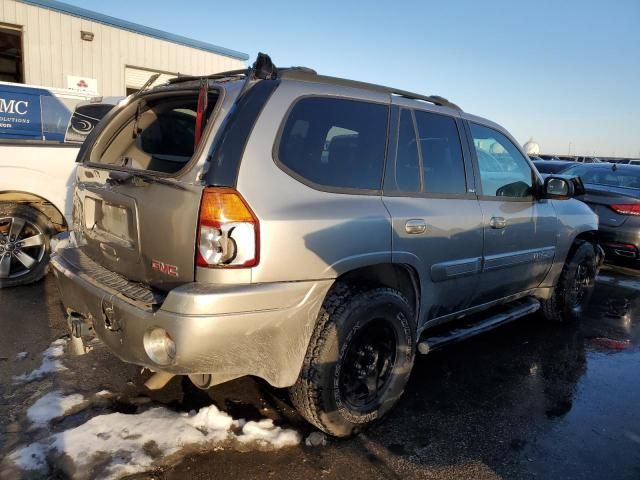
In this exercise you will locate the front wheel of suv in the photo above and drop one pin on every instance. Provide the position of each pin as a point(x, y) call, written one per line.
point(575, 286)
point(358, 360)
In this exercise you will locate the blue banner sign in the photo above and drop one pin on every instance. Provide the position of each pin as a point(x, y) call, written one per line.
point(20, 113)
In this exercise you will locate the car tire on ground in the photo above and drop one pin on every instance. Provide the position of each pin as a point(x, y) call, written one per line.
point(575, 286)
point(24, 244)
point(358, 360)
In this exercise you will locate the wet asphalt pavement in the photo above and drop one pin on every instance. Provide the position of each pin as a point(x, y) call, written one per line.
point(529, 400)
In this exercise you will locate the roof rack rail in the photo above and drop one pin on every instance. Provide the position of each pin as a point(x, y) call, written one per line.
point(213, 76)
point(264, 68)
point(302, 73)
point(435, 99)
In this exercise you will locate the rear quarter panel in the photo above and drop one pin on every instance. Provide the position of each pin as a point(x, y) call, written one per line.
point(306, 233)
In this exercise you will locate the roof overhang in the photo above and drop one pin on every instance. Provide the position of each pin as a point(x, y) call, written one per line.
point(134, 27)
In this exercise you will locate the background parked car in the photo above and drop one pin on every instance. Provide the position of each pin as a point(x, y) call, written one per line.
point(552, 166)
point(588, 160)
point(613, 192)
point(41, 131)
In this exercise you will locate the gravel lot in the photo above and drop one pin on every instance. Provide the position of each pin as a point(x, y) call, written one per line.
point(530, 400)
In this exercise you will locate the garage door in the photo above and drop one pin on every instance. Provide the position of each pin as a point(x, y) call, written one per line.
point(135, 78)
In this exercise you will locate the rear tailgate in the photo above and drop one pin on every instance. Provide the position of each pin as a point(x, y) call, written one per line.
point(135, 209)
point(142, 230)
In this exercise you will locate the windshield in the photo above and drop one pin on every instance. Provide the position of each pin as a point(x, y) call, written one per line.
point(627, 178)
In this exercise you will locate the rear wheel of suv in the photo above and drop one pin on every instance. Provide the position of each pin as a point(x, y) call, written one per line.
point(575, 286)
point(24, 244)
point(358, 360)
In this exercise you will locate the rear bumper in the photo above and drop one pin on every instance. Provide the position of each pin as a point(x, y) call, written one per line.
point(228, 331)
point(621, 245)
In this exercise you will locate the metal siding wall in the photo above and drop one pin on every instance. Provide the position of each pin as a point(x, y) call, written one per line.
point(53, 49)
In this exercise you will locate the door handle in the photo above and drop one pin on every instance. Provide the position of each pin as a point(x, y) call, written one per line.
point(415, 227)
point(497, 222)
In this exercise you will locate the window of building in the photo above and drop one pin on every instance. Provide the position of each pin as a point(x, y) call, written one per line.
point(11, 55)
point(335, 143)
point(504, 172)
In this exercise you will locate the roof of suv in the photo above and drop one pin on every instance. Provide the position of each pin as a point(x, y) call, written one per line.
point(264, 68)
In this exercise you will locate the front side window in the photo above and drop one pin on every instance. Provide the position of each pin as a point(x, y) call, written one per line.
point(504, 172)
point(335, 143)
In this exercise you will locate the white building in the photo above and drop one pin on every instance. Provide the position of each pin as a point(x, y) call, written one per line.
point(531, 147)
point(50, 43)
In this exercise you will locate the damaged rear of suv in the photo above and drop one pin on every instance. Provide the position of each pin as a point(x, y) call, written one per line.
point(298, 228)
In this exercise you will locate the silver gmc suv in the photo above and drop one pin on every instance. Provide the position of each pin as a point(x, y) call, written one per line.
point(312, 231)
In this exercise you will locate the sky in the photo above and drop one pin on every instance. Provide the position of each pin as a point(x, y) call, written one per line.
point(566, 73)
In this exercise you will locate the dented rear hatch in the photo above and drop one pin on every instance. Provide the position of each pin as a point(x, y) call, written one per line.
point(138, 188)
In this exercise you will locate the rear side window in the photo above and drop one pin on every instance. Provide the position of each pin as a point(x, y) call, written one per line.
point(403, 175)
point(335, 143)
point(442, 161)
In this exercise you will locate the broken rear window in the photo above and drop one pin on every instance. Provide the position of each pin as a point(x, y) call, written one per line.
point(160, 137)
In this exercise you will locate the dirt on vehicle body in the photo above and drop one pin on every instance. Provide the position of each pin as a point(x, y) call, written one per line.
point(314, 232)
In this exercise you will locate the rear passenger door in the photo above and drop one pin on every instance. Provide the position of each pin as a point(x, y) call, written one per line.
point(437, 222)
point(519, 230)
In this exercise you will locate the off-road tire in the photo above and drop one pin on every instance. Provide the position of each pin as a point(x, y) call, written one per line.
point(561, 307)
point(317, 393)
point(36, 218)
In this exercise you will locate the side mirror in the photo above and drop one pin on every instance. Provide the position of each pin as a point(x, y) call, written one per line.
point(558, 188)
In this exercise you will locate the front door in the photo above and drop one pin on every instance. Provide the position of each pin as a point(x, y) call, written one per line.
point(519, 230)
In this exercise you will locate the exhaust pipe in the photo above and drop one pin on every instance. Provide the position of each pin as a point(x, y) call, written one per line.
point(79, 327)
point(158, 380)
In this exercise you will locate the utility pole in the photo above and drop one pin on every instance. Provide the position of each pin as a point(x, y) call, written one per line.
point(569, 149)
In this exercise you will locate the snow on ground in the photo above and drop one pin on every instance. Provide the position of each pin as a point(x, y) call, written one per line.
point(50, 363)
point(22, 355)
point(118, 444)
point(53, 405)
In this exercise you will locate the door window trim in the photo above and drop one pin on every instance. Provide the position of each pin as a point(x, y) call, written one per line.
point(393, 138)
point(327, 188)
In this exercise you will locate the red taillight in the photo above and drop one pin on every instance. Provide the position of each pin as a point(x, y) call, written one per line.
point(228, 231)
point(622, 209)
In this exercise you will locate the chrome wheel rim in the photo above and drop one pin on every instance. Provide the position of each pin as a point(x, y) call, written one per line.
point(22, 247)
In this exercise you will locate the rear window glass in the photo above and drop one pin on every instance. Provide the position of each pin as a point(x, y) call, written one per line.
point(159, 138)
point(335, 143)
point(442, 161)
point(626, 178)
